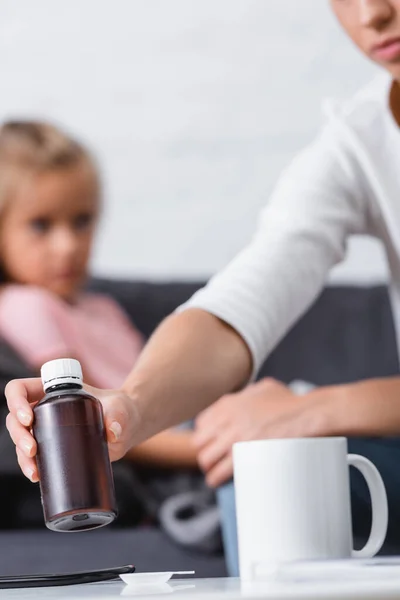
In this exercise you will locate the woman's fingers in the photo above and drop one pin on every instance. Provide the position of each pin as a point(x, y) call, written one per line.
point(20, 394)
point(27, 465)
point(215, 451)
point(221, 473)
point(21, 437)
point(204, 434)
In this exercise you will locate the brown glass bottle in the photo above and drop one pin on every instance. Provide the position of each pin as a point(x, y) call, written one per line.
point(75, 473)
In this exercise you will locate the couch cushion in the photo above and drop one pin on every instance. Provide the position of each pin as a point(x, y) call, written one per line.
point(146, 303)
point(347, 335)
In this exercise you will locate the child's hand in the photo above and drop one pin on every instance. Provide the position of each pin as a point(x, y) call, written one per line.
point(119, 411)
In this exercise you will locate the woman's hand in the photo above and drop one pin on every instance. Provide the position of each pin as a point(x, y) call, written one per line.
point(264, 410)
point(120, 417)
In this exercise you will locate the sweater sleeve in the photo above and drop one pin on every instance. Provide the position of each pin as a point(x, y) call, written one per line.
point(30, 322)
point(317, 204)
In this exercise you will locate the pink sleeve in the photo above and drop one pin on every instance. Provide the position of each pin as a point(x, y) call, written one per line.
point(118, 319)
point(121, 317)
point(30, 321)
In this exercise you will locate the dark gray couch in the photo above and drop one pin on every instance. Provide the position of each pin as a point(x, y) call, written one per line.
point(347, 335)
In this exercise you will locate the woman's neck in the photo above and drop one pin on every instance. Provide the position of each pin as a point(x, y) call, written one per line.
point(394, 101)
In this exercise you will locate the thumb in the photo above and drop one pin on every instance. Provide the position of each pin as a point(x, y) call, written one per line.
point(119, 420)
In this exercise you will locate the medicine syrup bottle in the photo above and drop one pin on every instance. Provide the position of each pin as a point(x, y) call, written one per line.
point(76, 480)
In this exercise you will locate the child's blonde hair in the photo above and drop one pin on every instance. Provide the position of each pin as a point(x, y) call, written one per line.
point(33, 147)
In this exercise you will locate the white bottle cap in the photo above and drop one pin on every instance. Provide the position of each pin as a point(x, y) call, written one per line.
point(63, 370)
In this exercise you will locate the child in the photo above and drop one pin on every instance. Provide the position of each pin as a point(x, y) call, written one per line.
point(49, 211)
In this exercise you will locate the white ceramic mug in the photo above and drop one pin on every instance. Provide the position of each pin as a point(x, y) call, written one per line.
point(293, 501)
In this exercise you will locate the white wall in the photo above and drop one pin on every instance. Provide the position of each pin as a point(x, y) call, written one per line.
point(193, 107)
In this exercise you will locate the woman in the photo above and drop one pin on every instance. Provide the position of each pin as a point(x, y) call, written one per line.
point(346, 182)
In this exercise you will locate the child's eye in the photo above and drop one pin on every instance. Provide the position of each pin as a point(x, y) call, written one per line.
point(40, 225)
point(83, 221)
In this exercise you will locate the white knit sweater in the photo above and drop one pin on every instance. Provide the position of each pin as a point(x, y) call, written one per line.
point(346, 182)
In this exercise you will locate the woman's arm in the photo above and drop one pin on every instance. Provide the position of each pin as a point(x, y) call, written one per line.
point(366, 408)
point(191, 360)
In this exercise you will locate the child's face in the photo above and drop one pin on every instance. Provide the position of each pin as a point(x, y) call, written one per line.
point(374, 26)
point(47, 229)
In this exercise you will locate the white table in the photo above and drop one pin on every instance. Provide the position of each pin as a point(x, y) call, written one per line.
point(213, 589)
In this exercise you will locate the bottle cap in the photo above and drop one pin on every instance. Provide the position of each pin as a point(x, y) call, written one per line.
point(62, 370)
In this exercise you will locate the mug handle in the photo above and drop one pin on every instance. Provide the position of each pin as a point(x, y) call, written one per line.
point(380, 513)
